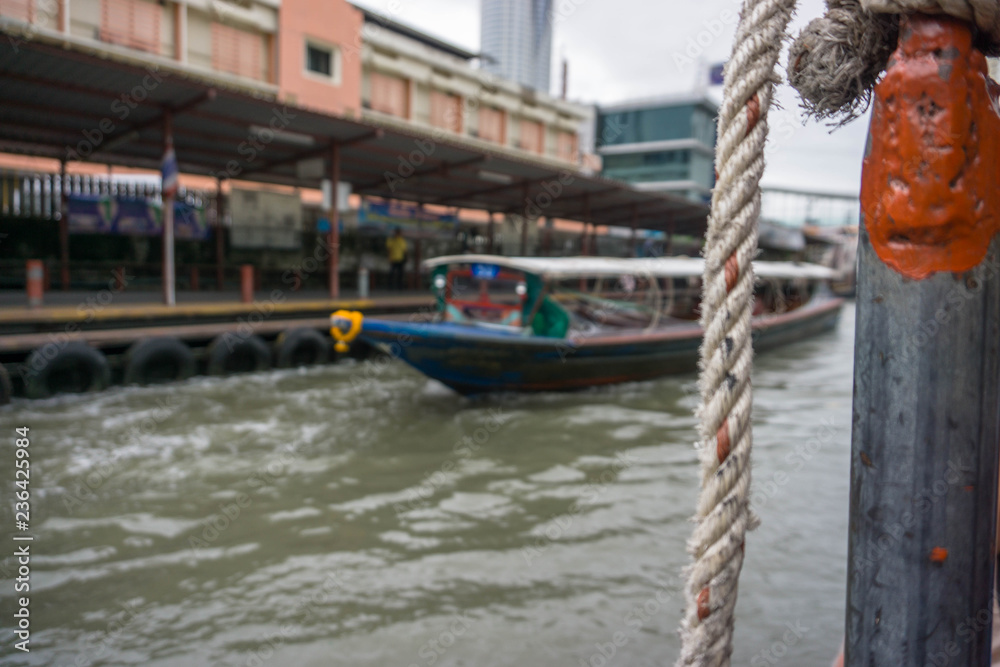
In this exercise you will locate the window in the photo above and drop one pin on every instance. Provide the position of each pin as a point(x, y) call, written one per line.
point(532, 136)
point(323, 61)
point(319, 60)
point(492, 125)
point(446, 111)
point(566, 146)
point(22, 10)
point(131, 23)
point(390, 94)
point(237, 51)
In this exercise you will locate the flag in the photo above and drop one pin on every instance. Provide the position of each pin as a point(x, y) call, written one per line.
point(169, 173)
point(715, 74)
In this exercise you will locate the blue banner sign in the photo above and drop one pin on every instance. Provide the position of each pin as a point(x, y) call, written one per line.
point(413, 220)
point(93, 214)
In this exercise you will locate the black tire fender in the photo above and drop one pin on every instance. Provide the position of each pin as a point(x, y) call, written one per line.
point(301, 347)
point(73, 368)
point(230, 353)
point(156, 360)
point(6, 388)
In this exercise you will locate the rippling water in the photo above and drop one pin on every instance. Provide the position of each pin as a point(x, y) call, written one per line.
point(360, 514)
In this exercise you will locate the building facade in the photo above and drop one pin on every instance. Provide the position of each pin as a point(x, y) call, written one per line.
point(517, 41)
point(665, 144)
point(409, 77)
point(351, 63)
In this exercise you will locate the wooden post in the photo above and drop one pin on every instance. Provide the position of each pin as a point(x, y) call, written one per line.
point(247, 283)
point(220, 239)
point(333, 217)
point(927, 364)
point(35, 282)
point(63, 228)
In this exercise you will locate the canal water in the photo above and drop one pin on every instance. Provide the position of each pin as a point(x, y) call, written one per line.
point(360, 514)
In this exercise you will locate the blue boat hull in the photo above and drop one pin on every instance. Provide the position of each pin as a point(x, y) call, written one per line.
point(471, 360)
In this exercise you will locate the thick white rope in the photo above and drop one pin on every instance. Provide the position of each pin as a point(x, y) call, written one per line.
point(838, 59)
point(723, 514)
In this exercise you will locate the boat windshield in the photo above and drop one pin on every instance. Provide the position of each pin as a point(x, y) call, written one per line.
point(479, 297)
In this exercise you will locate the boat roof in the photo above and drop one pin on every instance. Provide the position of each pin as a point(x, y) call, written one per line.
point(557, 268)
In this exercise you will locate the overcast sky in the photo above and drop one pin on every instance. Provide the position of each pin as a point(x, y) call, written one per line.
point(624, 49)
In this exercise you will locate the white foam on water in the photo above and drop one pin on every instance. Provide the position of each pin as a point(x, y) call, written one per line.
point(557, 475)
point(291, 515)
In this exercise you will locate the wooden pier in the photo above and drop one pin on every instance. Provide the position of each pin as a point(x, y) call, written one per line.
point(49, 350)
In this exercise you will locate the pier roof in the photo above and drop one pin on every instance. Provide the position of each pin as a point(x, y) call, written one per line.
point(65, 99)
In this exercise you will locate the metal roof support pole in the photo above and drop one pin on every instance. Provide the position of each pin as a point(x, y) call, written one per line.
point(670, 239)
point(633, 251)
point(489, 235)
point(169, 278)
point(547, 237)
point(220, 240)
point(333, 215)
point(927, 360)
point(524, 222)
point(63, 228)
point(415, 279)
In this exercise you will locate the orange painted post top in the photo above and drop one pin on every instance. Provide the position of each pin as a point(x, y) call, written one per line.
point(246, 283)
point(333, 26)
point(35, 270)
point(929, 193)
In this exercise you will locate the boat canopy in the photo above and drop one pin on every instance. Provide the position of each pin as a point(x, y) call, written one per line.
point(559, 268)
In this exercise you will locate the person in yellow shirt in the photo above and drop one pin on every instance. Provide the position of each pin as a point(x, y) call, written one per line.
point(395, 245)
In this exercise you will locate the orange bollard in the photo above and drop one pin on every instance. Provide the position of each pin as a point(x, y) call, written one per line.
point(246, 283)
point(35, 282)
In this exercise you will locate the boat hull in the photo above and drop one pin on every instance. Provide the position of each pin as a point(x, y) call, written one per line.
point(474, 361)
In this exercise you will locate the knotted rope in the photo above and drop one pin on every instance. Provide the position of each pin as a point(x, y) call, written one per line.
point(834, 64)
point(836, 61)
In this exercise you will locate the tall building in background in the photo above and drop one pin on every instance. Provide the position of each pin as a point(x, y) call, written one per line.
point(664, 144)
point(517, 40)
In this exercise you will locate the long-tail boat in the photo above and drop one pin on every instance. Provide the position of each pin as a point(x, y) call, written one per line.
point(526, 324)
